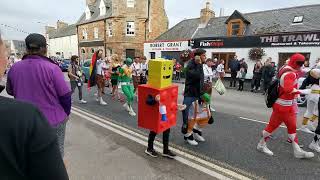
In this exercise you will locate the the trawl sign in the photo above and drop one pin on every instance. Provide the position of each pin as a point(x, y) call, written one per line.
point(167, 46)
point(307, 39)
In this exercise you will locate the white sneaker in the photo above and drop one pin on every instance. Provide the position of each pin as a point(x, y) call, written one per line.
point(212, 110)
point(102, 102)
point(304, 128)
point(301, 154)
point(198, 137)
point(97, 99)
point(314, 146)
point(83, 102)
point(264, 149)
point(132, 113)
point(311, 127)
point(191, 140)
point(126, 106)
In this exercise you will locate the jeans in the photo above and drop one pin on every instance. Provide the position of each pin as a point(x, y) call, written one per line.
point(74, 84)
point(188, 102)
point(255, 83)
point(233, 79)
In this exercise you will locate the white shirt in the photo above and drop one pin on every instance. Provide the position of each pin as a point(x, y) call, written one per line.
point(144, 68)
point(208, 73)
point(136, 69)
point(100, 66)
point(220, 68)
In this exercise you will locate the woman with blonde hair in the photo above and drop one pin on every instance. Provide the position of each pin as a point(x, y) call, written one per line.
point(115, 68)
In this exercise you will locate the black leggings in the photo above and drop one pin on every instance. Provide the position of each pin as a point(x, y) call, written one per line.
point(152, 136)
point(318, 127)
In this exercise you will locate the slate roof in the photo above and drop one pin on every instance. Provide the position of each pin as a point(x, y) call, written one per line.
point(183, 30)
point(63, 32)
point(263, 22)
point(95, 16)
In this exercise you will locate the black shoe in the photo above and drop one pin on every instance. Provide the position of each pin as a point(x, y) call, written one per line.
point(251, 90)
point(151, 153)
point(184, 129)
point(169, 154)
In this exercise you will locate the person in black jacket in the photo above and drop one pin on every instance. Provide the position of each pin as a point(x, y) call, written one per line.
point(234, 67)
point(257, 73)
point(193, 84)
point(268, 72)
point(28, 148)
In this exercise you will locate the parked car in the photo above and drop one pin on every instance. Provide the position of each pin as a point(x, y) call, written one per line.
point(86, 69)
point(64, 65)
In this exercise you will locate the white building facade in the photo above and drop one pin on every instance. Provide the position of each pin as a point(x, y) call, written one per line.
point(63, 43)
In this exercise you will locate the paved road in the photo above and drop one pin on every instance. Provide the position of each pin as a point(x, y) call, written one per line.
point(95, 153)
point(231, 141)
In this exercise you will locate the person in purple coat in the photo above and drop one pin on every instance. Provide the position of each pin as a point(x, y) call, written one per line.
point(39, 80)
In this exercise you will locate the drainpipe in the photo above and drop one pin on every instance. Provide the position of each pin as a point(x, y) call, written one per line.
point(145, 24)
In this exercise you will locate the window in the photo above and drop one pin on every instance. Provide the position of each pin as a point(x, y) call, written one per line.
point(96, 33)
point(226, 56)
point(84, 34)
point(235, 28)
point(130, 28)
point(298, 19)
point(130, 3)
point(130, 53)
point(110, 28)
point(152, 55)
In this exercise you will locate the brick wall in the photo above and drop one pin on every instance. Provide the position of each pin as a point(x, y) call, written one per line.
point(90, 31)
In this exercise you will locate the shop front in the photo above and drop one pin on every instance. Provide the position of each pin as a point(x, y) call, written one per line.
point(277, 46)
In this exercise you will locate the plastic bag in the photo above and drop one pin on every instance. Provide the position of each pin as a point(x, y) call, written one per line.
point(219, 86)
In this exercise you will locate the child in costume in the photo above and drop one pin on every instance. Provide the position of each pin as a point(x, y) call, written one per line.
point(199, 117)
point(153, 101)
point(125, 79)
point(285, 108)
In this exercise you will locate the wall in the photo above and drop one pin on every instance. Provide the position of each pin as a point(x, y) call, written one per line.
point(68, 45)
point(270, 52)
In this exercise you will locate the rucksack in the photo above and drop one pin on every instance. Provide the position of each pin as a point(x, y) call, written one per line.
point(272, 93)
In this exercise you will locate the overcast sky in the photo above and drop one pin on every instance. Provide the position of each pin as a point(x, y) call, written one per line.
point(33, 15)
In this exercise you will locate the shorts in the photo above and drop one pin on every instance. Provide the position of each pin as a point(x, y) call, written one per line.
point(114, 82)
point(101, 82)
point(61, 131)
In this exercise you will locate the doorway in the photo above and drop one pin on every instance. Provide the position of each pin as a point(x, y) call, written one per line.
point(285, 56)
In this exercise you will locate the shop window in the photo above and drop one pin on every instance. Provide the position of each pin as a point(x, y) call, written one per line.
point(130, 28)
point(84, 34)
point(92, 50)
point(83, 51)
point(152, 55)
point(226, 56)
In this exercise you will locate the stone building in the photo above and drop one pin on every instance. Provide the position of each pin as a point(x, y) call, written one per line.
point(120, 26)
point(278, 32)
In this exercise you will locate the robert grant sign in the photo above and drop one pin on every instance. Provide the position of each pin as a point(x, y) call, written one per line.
point(167, 46)
point(283, 40)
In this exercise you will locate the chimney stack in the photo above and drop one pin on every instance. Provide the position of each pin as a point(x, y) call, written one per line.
point(221, 12)
point(206, 14)
point(90, 2)
point(61, 24)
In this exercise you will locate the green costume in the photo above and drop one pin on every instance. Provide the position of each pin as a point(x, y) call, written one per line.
point(125, 80)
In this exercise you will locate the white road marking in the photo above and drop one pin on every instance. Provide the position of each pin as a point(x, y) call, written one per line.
point(141, 139)
point(262, 122)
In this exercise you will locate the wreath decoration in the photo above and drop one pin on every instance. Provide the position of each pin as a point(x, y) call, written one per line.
point(256, 53)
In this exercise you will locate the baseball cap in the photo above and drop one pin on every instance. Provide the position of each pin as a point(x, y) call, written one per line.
point(35, 41)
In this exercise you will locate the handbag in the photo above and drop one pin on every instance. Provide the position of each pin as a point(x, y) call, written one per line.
point(219, 86)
